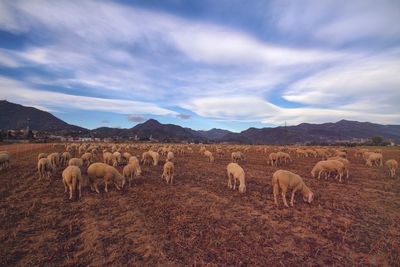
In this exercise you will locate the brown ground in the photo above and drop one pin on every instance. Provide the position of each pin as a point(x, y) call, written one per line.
point(198, 221)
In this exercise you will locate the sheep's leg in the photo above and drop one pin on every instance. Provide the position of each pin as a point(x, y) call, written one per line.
point(70, 191)
point(234, 183)
point(96, 188)
point(276, 192)
point(116, 185)
point(292, 198)
point(229, 181)
point(284, 196)
point(65, 186)
point(172, 178)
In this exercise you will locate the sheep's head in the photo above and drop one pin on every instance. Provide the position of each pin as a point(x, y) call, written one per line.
point(309, 197)
point(242, 188)
point(313, 173)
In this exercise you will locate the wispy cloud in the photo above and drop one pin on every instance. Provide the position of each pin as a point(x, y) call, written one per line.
point(136, 118)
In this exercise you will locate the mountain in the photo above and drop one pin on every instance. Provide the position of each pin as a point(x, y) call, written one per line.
point(307, 132)
point(214, 134)
point(15, 116)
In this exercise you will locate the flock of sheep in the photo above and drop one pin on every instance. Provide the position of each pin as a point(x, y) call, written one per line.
point(334, 163)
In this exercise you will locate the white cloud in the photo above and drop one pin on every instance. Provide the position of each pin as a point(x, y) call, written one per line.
point(16, 91)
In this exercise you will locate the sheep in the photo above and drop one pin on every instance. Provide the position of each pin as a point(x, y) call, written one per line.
point(374, 159)
point(45, 168)
point(65, 157)
point(168, 172)
point(42, 155)
point(289, 180)
point(71, 177)
point(236, 173)
point(133, 159)
point(301, 153)
point(202, 150)
point(54, 159)
point(108, 173)
point(118, 157)
point(237, 156)
point(328, 166)
point(392, 165)
point(170, 156)
point(209, 155)
point(220, 152)
point(155, 156)
point(273, 159)
point(4, 159)
point(131, 169)
point(76, 162)
point(345, 162)
point(341, 154)
point(284, 157)
point(146, 158)
point(87, 159)
point(109, 159)
point(126, 156)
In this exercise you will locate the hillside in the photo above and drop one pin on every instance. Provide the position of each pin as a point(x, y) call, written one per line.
point(15, 116)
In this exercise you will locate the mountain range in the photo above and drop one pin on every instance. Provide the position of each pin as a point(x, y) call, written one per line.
point(15, 116)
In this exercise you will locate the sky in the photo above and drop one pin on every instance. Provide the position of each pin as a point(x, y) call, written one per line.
point(203, 64)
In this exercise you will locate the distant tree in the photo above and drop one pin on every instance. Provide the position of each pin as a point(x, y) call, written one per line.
point(377, 140)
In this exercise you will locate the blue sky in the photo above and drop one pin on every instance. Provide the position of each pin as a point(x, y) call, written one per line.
point(203, 64)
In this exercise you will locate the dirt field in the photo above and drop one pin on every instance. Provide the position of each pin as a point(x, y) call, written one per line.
point(198, 221)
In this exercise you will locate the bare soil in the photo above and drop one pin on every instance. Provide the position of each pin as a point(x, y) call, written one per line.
point(199, 221)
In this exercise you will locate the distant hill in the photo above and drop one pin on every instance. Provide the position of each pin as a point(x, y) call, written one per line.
point(15, 116)
point(306, 132)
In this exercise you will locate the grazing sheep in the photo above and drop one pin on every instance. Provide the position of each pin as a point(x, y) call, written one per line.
point(118, 158)
point(155, 156)
point(392, 166)
point(220, 152)
point(126, 156)
point(345, 162)
point(374, 159)
point(236, 173)
point(130, 170)
point(202, 150)
point(146, 158)
point(110, 159)
point(41, 156)
point(71, 177)
point(237, 156)
point(54, 159)
point(289, 180)
point(87, 159)
point(170, 156)
point(341, 154)
point(273, 159)
point(133, 159)
point(209, 155)
point(75, 162)
point(109, 174)
point(328, 166)
point(4, 159)
point(284, 158)
point(45, 168)
point(168, 172)
point(65, 157)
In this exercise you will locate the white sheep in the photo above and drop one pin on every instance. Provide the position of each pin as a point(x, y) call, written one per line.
point(392, 166)
point(345, 162)
point(209, 155)
point(109, 174)
point(236, 173)
point(170, 156)
point(327, 167)
point(65, 157)
point(130, 170)
point(87, 158)
point(168, 172)
point(71, 178)
point(45, 168)
point(5, 159)
point(289, 180)
point(109, 159)
point(42, 155)
point(374, 159)
point(118, 157)
point(54, 159)
point(155, 156)
point(237, 156)
point(146, 158)
point(76, 162)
